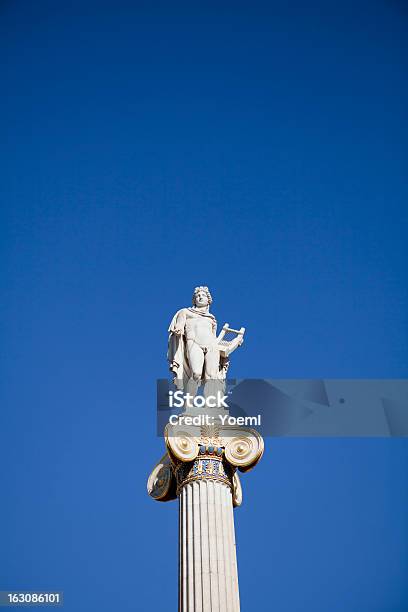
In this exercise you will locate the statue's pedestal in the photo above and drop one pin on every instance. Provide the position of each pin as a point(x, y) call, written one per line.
point(200, 468)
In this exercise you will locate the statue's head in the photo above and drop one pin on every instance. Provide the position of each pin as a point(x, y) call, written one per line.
point(202, 296)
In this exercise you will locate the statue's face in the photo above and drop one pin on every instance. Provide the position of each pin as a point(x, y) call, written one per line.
point(201, 298)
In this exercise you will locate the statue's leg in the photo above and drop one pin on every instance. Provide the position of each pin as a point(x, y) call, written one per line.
point(196, 360)
point(212, 363)
point(213, 385)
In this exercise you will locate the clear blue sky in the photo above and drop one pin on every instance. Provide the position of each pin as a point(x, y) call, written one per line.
point(257, 148)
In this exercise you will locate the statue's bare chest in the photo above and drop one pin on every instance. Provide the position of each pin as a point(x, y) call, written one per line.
point(198, 325)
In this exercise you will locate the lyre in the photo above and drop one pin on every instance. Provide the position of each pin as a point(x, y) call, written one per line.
point(226, 347)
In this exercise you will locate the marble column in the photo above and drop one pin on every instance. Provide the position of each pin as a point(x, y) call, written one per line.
point(208, 577)
point(201, 471)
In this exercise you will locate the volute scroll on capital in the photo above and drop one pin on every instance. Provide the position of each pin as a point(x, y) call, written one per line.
point(244, 448)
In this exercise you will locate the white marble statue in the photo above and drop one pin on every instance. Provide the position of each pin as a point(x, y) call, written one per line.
point(195, 353)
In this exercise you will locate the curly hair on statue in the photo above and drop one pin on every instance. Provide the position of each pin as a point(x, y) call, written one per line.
point(207, 291)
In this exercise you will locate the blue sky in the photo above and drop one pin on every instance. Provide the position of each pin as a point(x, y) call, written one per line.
point(260, 150)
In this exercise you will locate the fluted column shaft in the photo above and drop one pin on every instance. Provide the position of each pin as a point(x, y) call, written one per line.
point(200, 468)
point(208, 580)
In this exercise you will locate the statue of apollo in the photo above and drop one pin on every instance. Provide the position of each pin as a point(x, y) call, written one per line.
point(195, 353)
